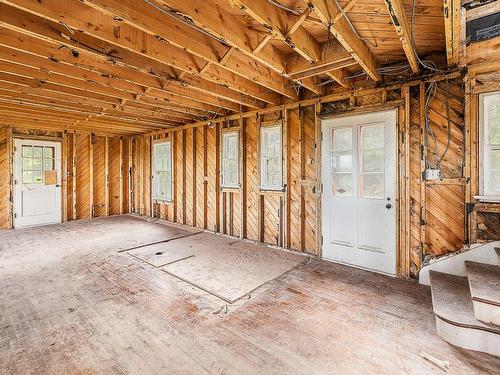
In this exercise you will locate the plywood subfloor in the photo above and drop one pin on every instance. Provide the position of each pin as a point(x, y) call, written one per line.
point(70, 304)
point(226, 268)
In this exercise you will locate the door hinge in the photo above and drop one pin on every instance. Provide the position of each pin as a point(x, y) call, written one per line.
point(322, 240)
point(15, 215)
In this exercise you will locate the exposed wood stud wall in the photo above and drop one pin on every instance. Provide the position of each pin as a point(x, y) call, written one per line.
point(292, 218)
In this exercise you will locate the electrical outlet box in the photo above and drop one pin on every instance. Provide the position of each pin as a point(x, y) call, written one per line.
point(432, 174)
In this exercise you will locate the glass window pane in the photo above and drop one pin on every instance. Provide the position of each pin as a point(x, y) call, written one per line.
point(494, 120)
point(372, 185)
point(342, 139)
point(372, 136)
point(27, 177)
point(495, 180)
point(48, 164)
point(372, 160)
point(37, 177)
point(27, 164)
point(37, 151)
point(342, 161)
point(27, 151)
point(271, 157)
point(37, 164)
point(342, 184)
point(48, 152)
point(495, 158)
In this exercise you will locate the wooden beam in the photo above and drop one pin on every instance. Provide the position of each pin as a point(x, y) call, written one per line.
point(130, 40)
point(340, 76)
point(281, 26)
point(346, 35)
point(160, 24)
point(451, 10)
point(400, 22)
point(212, 18)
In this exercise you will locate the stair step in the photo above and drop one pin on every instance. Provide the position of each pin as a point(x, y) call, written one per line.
point(484, 282)
point(452, 302)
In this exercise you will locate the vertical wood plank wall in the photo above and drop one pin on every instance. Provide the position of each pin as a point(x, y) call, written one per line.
point(431, 226)
point(112, 175)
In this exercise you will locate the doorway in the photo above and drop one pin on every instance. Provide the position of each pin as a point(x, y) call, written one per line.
point(359, 191)
point(37, 182)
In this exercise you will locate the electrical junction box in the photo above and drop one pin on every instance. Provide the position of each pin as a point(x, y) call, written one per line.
point(432, 174)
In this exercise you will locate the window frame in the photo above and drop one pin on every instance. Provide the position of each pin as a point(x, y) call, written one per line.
point(223, 184)
point(263, 186)
point(154, 171)
point(485, 146)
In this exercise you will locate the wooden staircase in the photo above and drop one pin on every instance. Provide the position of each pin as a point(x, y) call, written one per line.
point(467, 307)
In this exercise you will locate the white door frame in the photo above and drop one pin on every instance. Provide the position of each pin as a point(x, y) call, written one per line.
point(393, 191)
point(17, 177)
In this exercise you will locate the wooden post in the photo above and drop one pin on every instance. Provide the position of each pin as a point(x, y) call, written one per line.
point(205, 182)
point(243, 180)
point(302, 177)
point(218, 225)
point(73, 176)
point(91, 174)
point(106, 176)
point(285, 200)
point(407, 185)
point(193, 184)
point(121, 176)
point(317, 156)
point(64, 177)
point(423, 158)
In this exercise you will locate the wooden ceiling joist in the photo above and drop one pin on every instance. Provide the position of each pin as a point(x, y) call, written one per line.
point(400, 21)
point(143, 45)
point(159, 27)
point(346, 35)
point(283, 27)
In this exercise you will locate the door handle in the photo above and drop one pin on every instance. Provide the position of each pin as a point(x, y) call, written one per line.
point(388, 206)
point(57, 185)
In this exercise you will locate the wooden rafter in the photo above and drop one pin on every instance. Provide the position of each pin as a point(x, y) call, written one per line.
point(400, 22)
point(130, 44)
point(210, 17)
point(159, 24)
point(346, 35)
point(451, 10)
point(281, 26)
point(340, 76)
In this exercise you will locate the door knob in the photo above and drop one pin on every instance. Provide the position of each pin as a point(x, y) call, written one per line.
point(388, 205)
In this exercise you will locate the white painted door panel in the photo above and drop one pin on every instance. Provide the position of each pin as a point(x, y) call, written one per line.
point(37, 199)
point(359, 191)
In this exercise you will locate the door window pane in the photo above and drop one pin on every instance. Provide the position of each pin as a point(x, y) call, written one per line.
point(372, 185)
point(27, 151)
point(48, 152)
point(341, 161)
point(27, 177)
point(342, 183)
point(371, 161)
point(37, 151)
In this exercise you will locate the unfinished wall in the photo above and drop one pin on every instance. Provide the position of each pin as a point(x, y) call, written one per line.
point(431, 215)
point(94, 172)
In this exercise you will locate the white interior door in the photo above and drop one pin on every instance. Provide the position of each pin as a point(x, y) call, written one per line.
point(37, 181)
point(359, 191)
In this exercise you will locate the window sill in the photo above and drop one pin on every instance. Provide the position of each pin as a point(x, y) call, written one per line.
point(164, 201)
point(487, 198)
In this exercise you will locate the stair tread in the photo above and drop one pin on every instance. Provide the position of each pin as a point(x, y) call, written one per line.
point(484, 282)
point(452, 302)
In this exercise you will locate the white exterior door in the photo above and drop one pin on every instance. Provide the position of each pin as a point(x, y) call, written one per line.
point(359, 191)
point(37, 182)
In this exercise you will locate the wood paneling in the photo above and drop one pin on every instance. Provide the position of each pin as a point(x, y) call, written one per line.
point(115, 176)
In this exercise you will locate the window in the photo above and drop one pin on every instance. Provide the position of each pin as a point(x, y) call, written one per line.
point(341, 161)
point(271, 158)
point(371, 161)
point(230, 159)
point(162, 173)
point(35, 161)
point(490, 146)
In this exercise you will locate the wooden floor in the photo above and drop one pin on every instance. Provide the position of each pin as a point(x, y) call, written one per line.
point(70, 304)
